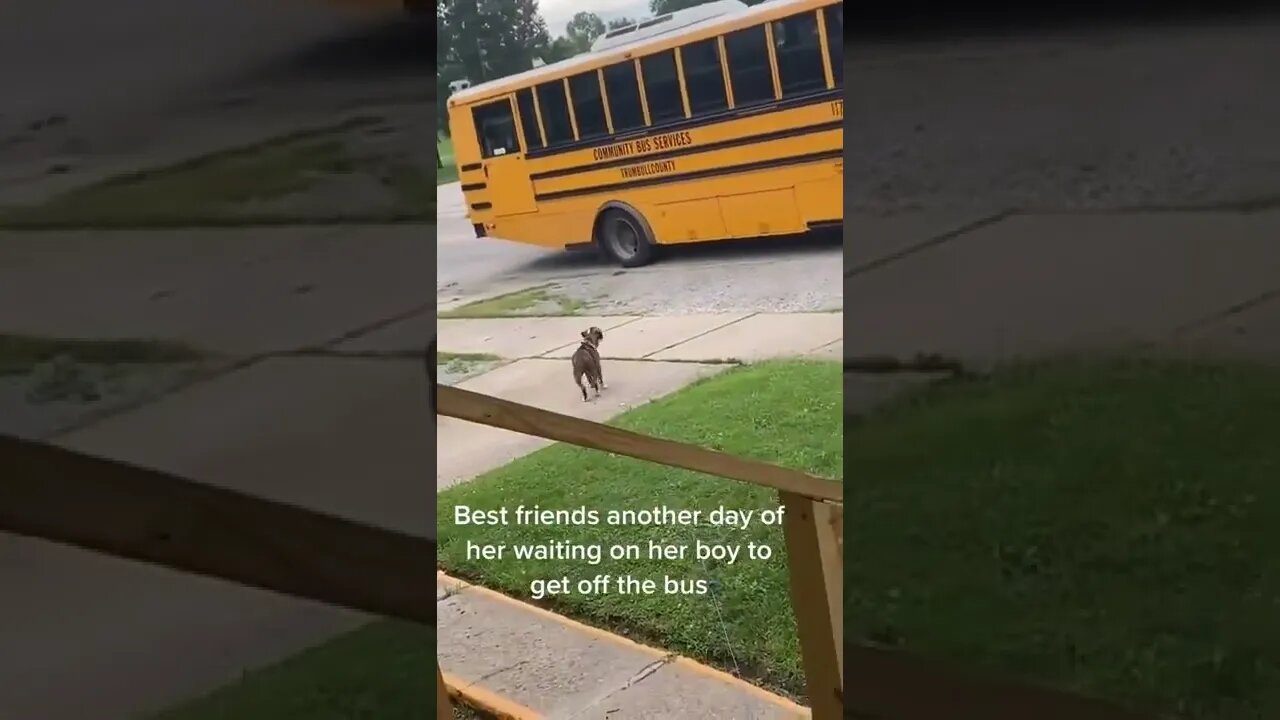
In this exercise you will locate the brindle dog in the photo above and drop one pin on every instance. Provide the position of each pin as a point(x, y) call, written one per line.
point(586, 362)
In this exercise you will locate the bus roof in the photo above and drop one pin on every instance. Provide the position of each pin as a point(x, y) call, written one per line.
point(735, 10)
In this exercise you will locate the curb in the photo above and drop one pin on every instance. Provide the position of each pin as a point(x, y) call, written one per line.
point(487, 701)
point(455, 585)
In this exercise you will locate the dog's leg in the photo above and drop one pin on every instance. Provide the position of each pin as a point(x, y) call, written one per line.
point(577, 377)
point(595, 384)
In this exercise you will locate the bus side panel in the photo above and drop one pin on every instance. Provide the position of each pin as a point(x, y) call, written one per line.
point(687, 221)
point(821, 201)
point(757, 214)
point(782, 201)
point(572, 226)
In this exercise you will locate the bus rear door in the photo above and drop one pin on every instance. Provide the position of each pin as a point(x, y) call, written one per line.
point(505, 170)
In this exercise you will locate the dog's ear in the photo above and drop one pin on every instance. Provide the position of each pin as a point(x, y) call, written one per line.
point(584, 333)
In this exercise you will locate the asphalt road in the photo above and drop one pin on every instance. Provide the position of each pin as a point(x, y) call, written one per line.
point(757, 276)
point(93, 87)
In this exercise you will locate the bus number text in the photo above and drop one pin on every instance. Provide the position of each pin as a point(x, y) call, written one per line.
point(837, 108)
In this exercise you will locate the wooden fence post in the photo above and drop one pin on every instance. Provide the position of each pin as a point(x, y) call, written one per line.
point(814, 555)
point(444, 709)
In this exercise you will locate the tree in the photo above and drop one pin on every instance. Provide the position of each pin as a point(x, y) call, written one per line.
point(445, 74)
point(616, 23)
point(662, 7)
point(583, 30)
point(559, 49)
point(489, 39)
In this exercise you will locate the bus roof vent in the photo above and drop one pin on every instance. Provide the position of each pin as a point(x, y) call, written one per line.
point(650, 27)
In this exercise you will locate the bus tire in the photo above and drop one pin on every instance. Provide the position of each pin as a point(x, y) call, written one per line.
point(625, 237)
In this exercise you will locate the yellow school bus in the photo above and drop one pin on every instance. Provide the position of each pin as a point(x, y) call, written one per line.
point(716, 122)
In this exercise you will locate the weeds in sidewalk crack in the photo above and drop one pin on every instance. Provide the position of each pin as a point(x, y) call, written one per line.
point(649, 670)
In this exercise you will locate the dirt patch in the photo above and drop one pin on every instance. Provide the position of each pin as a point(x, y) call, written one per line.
point(541, 301)
point(50, 384)
point(453, 368)
point(21, 354)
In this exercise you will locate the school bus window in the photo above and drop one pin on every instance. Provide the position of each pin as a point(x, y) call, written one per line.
point(496, 128)
point(703, 77)
point(799, 53)
point(555, 113)
point(748, 51)
point(588, 108)
point(528, 119)
point(833, 15)
point(623, 89)
point(662, 87)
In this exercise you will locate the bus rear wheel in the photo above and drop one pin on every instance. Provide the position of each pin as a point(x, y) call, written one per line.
point(625, 238)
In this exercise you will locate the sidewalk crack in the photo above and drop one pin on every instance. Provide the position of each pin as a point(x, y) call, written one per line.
point(1226, 313)
point(695, 337)
point(499, 671)
point(648, 670)
point(645, 672)
point(934, 241)
point(371, 327)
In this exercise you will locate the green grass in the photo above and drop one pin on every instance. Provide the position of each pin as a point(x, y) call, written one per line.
point(214, 189)
point(383, 671)
point(783, 412)
point(20, 353)
point(449, 173)
point(541, 301)
point(462, 712)
point(1105, 526)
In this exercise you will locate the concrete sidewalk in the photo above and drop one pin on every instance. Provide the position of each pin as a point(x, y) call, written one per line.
point(515, 659)
point(567, 670)
point(744, 337)
point(647, 357)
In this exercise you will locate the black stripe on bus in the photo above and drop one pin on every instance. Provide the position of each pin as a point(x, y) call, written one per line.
point(481, 206)
point(470, 166)
point(692, 150)
point(473, 186)
point(819, 98)
point(696, 175)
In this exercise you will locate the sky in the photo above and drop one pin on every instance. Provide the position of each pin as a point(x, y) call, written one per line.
point(558, 13)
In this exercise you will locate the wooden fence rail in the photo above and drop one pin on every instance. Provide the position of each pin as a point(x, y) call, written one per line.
point(139, 514)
